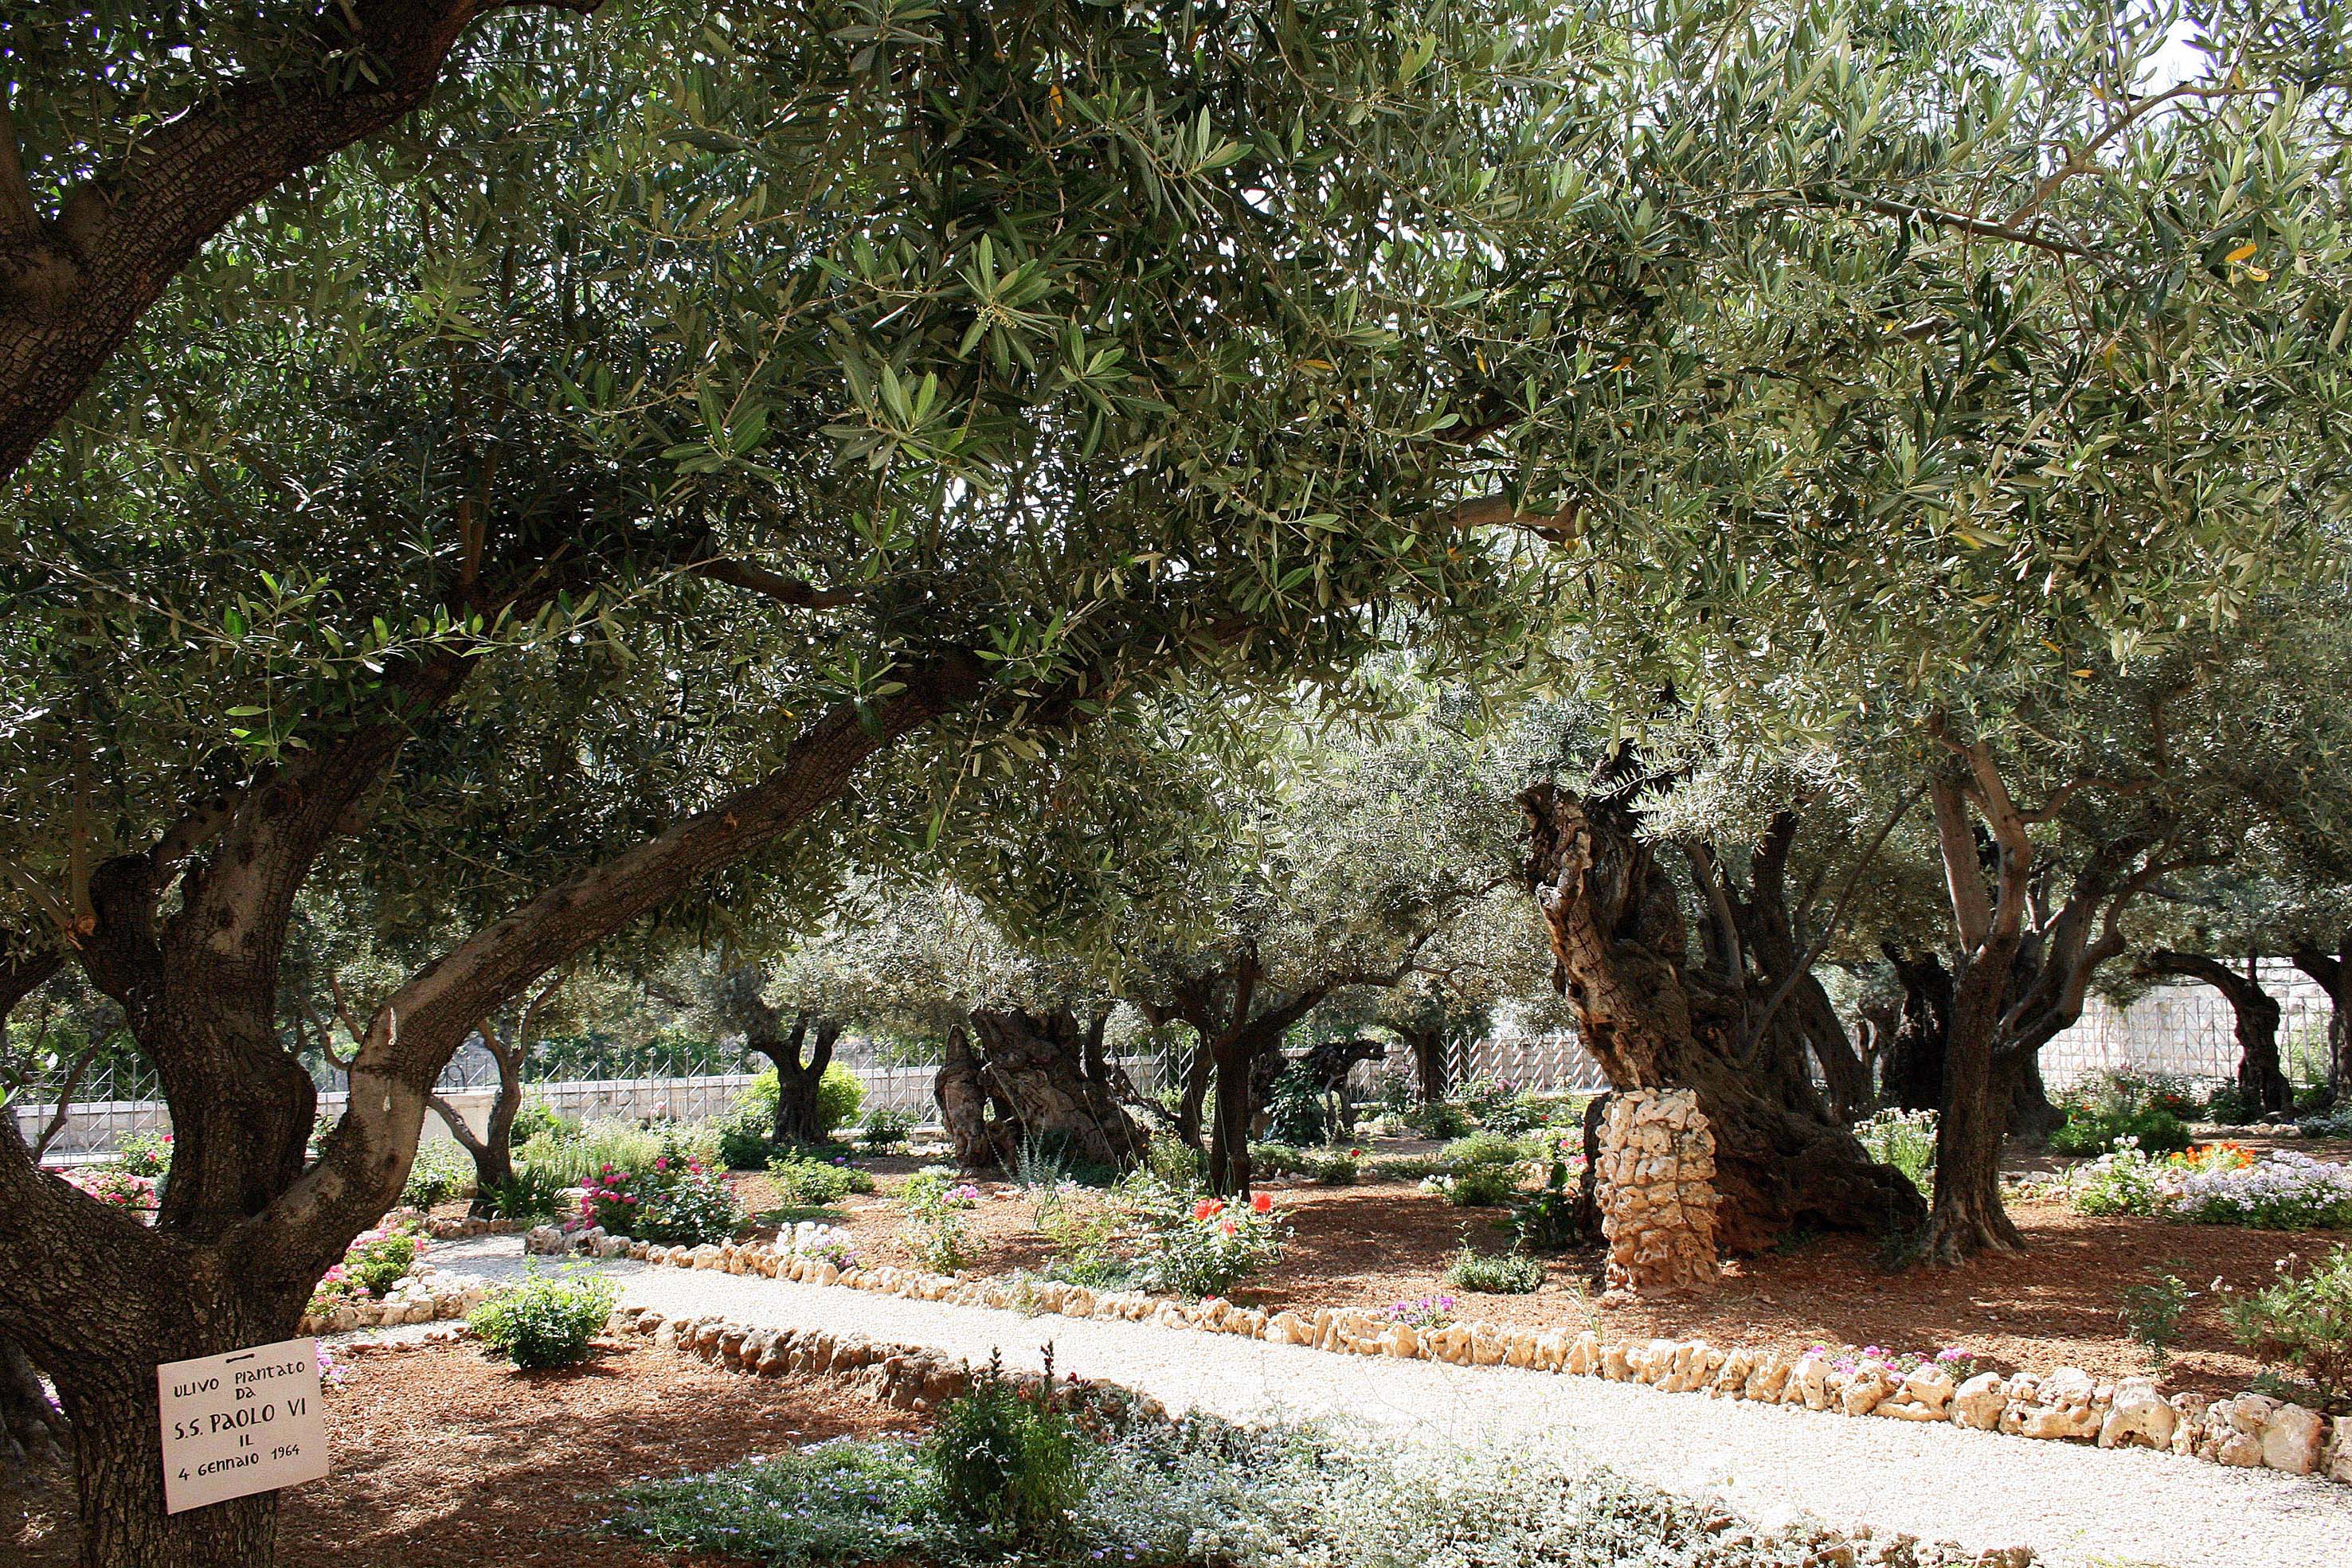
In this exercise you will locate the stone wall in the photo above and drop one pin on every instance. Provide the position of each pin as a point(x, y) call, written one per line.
point(1655, 1183)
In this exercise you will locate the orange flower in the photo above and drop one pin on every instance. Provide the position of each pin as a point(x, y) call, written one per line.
point(1226, 1227)
point(1207, 1209)
point(1263, 1203)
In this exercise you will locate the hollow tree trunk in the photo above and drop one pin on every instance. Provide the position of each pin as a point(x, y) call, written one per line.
point(2260, 1080)
point(1620, 951)
point(1913, 1071)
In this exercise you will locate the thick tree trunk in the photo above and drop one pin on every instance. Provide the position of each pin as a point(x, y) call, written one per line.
point(799, 1077)
point(2334, 973)
point(2260, 1080)
point(1429, 1063)
point(2019, 1088)
point(1033, 1070)
point(1968, 1216)
point(1620, 952)
point(1913, 1066)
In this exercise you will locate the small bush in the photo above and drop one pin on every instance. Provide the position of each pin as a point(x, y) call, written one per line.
point(440, 1172)
point(2152, 1312)
point(537, 1121)
point(680, 1201)
point(2304, 1323)
point(1482, 1149)
point(1437, 1119)
point(532, 1195)
point(378, 1259)
point(886, 1129)
point(1905, 1140)
point(1295, 1111)
point(572, 1154)
point(1405, 1167)
point(1203, 1247)
point(2088, 1131)
point(544, 1321)
point(146, 1155)
point(1010, 1459)
point(803, 1182)
point(1494, 1274)
point(1336, 1168)
point(938, 1228)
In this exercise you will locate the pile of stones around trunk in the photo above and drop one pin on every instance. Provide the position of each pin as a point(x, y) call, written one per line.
point(910, 1377)
point(423, 1295)
point(2249, 1430)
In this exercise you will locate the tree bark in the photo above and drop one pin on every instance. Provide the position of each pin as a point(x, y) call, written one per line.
point(2256, 1012)
point(73, 285)
point(1620, 957)
point(1045, 1079)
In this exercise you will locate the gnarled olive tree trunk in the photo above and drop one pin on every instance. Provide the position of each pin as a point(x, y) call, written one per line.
point(2334, 973)
point(1912, 1067)
point(1040, 1079)
point(2260, 1080)
point(1654, 1020)
point(802, 1055)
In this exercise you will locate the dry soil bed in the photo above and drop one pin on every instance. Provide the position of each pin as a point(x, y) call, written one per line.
point(2057, 1304)
point(444, 1459)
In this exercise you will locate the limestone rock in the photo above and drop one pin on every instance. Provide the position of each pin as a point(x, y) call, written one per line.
point(1978, 1402)
point(2292, 1440)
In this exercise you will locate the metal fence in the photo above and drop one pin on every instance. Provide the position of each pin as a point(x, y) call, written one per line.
point(2187, 1029)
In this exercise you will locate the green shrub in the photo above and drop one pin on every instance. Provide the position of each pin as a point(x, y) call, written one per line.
point(2228, 1104)
point(544, 1321)
point(1437, 1119)
point(146, 1155)
point(1335, 1168)
point(1278, 1159)
point(537, 1121)
point(1905, 1140)
point(1405, 1167)
point(1009, 1460)
point(572, 1154)
point(1494, 1274)
point(439, 1173)
point(377, 1260)
point(2304, 1323)
point(1297, 1113)
point(886, 1129)
point(532, 1195)
point(803, 1182)
point(2090, 1131)
point(1482, 1149)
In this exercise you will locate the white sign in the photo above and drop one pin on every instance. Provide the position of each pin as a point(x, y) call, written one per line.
point(246, 1422)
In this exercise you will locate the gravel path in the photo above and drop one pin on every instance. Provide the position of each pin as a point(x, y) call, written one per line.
point(2072, 1503)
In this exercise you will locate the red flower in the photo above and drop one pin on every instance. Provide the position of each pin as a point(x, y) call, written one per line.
point(1226, 1228)
point(1207, 1209)
point(1263, 1203)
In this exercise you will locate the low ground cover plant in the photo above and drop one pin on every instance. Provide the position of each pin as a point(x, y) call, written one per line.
point(113, 1185)
point(372, 1265)
point(440, 1172)
point(886, 1129)
point(1009, 1462)
point(1495, 1273)
point(532, 1195)
point(1905, 1140)
point(1158, 1495)
point(544, 1321)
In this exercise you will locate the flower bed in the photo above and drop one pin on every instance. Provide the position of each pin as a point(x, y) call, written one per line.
point(2217, 1183)
point(676, 1199)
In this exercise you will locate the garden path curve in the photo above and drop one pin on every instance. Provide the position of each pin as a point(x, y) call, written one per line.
point(2073, 1505)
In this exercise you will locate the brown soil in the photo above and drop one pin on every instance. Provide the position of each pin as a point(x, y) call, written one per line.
point(444, 1459)
point(2059, 1303)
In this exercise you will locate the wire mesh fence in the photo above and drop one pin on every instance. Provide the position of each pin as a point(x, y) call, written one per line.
point(2185, 1030)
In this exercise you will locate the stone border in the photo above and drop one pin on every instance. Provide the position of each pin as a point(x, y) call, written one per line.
point(910, 1377)
point(2249, 1430)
